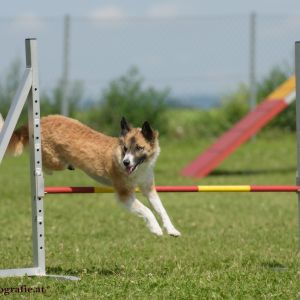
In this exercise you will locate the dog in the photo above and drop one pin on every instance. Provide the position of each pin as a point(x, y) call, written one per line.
point(125, 162)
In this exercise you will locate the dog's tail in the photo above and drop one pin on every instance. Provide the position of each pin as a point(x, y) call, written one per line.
point(18, 141)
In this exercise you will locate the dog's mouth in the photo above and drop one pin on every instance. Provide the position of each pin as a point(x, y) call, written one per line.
point(131, 169)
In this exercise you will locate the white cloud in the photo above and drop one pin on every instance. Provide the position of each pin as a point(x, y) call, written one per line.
point(164, 10)
point(108, 12)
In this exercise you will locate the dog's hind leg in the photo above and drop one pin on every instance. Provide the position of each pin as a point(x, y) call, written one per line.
point(139, 209)
point(150, 192)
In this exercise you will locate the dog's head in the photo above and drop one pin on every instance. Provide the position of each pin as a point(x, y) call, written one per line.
point(138, 146)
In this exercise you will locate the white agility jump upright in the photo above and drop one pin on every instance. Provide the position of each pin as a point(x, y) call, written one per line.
point(297, 72)
point(29, 90)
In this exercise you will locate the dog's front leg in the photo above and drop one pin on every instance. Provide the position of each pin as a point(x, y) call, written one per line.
point(150, 192)
point(139, 209)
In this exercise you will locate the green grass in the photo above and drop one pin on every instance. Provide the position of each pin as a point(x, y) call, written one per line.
point(233, 245)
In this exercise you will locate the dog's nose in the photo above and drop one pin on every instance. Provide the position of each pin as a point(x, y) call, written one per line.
point(126, 162)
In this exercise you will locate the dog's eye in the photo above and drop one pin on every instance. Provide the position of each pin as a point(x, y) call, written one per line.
point(125, 149)
point(139, 148)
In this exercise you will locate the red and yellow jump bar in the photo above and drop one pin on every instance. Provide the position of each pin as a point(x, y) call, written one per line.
point(178, 189)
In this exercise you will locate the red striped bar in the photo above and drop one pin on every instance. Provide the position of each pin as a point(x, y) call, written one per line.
point(274, 188)
point(69, 190)
point(179, 189)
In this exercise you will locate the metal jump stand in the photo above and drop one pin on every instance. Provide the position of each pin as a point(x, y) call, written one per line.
point(297, 72)
point(29, 90)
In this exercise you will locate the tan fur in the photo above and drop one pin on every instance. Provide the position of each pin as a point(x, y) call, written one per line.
point(18, 141)
point(135, 133)
point(125, 163)
point(66, 141)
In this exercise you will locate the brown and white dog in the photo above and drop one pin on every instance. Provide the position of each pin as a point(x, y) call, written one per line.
point(125, 163)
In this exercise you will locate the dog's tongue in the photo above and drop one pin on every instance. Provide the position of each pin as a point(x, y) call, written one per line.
point(130, 169)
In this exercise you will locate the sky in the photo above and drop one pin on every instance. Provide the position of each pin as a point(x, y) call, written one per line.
point(192, 46)
point(145, 8)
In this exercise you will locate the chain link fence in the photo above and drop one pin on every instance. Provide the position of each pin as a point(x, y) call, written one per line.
point(199, 58)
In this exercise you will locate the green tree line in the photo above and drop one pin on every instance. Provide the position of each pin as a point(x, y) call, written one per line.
point(128, 96)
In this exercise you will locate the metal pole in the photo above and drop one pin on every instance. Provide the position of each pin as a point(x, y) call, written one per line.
point(36, 174)
point(15, 111)
point(252, 62)
point(66, 67)
point(297, 71)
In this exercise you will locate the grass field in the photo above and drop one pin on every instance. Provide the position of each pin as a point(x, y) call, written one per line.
point(233, 245)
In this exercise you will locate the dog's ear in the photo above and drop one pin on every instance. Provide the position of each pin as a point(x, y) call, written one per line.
point(125, 128)
point(148, 132)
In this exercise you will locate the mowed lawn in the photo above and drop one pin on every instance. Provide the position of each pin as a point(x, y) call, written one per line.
point(233, 245)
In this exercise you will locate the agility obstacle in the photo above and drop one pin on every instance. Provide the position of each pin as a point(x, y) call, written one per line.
point(243, 130)
point(177, 189)
point(29, 91)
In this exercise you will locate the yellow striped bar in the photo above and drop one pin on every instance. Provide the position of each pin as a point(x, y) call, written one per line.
point(224, 188)
point(178, 189)
point(100, 189)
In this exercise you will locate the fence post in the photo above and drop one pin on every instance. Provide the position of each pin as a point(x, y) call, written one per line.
point(252, 61)
point(66, 67)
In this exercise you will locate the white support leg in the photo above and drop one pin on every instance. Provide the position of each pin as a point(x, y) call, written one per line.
point(36, 175)
point(15, 111)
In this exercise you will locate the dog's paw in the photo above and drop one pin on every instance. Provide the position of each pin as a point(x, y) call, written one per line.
point(173, 232)
point(157, 231)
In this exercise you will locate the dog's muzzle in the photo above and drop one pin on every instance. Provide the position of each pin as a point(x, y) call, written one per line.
point(130, 168)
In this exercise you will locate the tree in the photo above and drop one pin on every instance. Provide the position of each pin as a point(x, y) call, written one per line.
point(287, 119)
point(9, 85)
point(236, 104)
point(126, 96)
point(51, 101)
